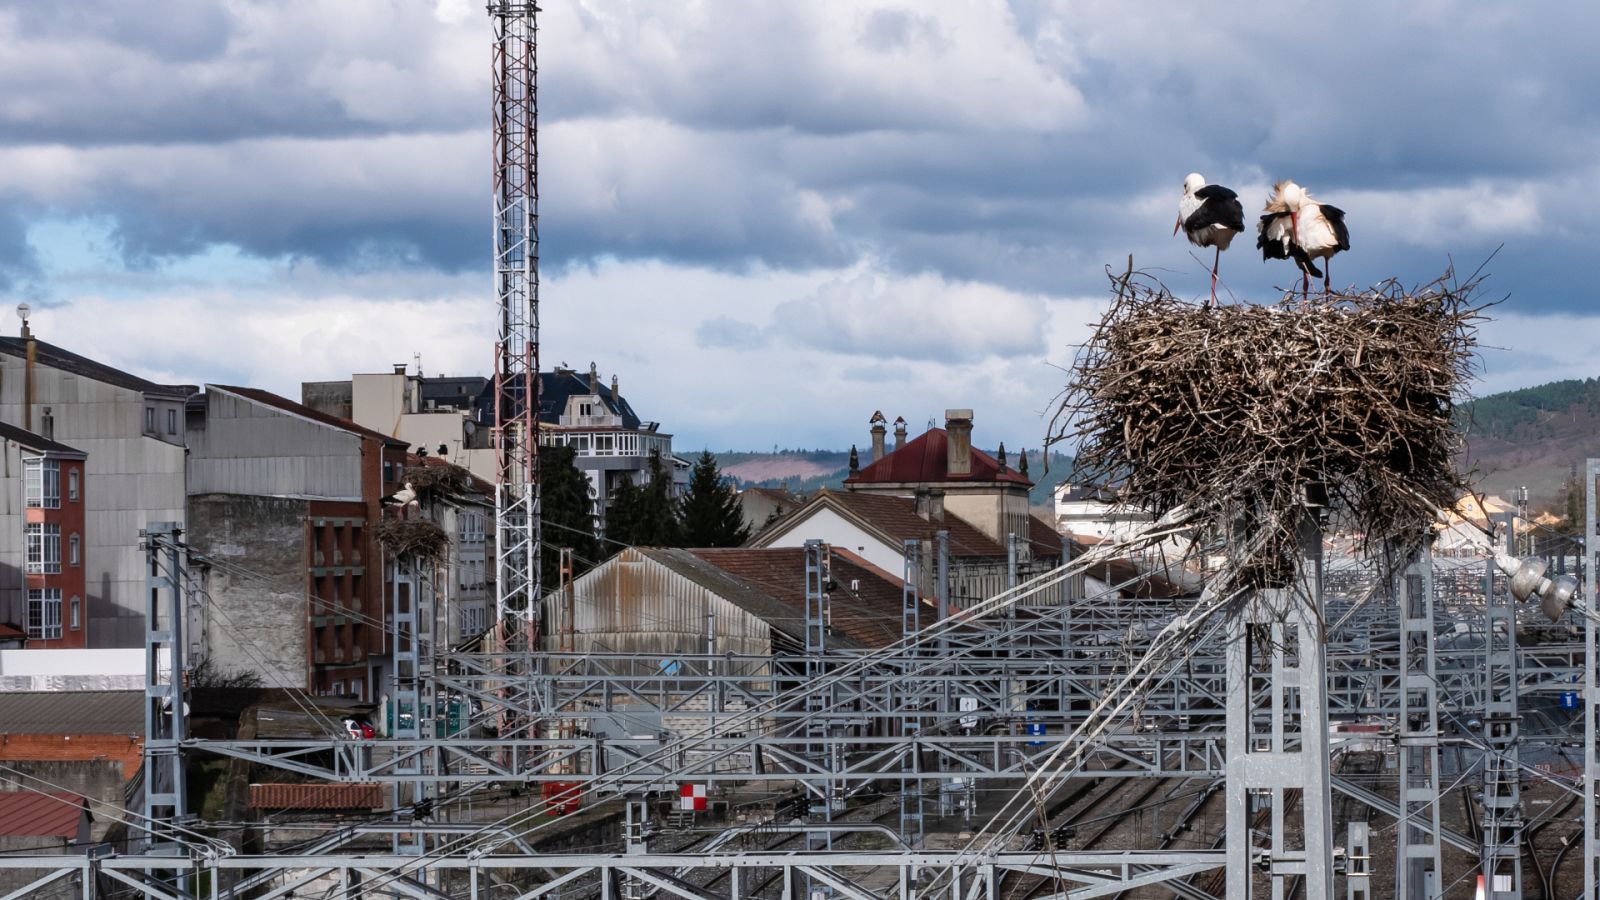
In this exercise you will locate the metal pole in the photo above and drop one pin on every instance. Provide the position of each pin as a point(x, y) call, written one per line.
point(1417, 858)
point(1277, 731)
point(1501, 854)
point(1591, 683)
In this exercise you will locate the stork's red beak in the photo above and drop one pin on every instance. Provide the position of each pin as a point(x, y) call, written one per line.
point(1177, 225)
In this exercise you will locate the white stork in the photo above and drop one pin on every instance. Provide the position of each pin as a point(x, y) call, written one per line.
point(405, 498)
point(1210, 215)
point(1296, 227)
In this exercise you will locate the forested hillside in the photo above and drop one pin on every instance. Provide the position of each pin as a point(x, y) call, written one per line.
point(1532, 437)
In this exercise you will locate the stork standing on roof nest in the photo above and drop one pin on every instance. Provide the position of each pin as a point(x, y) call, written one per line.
point(405, 499)
point(1210, 215)
point(1293, 226)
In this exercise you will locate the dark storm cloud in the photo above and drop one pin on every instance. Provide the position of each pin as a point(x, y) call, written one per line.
point(1026, 147)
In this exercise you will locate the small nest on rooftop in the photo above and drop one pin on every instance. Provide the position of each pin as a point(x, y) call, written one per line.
point(1249, 418)
point(448, 478)
point(413, 537)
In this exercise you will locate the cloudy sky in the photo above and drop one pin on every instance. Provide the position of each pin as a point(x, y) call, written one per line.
point(771, 218)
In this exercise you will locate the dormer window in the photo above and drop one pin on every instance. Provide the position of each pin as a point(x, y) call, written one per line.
point(585, 409)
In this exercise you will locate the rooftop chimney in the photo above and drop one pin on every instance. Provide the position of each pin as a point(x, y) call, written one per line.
point(1002, 456)
point(899, 432)
point(929, 504)
point(615, 396)
point(958, 444)
point(855, 461)
point(400, 368)
point(878, 432)
point(594, 380)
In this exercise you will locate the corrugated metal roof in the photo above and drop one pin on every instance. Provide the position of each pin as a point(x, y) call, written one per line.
point(284, 404)
point(57, 358)
point(865, 604)
point(35, 442)
point(925, 459)
point(72, 712)
point(49, 814)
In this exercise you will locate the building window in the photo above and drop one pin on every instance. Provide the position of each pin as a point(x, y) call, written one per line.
point(74, 550)
point(473, 621)
point(150, 420)
point(72, 485)
point(44, 614)
point(76, 622)
point(44, 551)
point(172, 421)
point(41, 480)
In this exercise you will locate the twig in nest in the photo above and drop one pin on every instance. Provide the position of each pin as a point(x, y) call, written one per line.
point(414, 537)
point(1249, 415)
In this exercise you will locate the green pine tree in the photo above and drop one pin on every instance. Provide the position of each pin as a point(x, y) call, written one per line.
point(712, 516)
point(645, 515)
point(567, 515)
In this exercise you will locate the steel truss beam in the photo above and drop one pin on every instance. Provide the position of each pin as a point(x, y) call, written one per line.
point(1088, 873)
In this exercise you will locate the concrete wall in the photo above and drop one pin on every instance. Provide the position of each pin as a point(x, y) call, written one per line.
point(827, 525)
point(131, 479)
point(254, 622)
point(378, 401)
point(74, 670)
point(331, 397)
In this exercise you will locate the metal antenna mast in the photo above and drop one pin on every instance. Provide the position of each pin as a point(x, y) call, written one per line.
point(516, 274)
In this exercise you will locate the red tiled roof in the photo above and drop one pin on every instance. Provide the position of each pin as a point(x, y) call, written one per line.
point(897, 517)
point(925, 458)
point(267, 398)
point(50, 814)
point(870, 614)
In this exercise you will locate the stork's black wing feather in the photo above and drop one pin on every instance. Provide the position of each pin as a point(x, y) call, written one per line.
point(1219, 206)
point(1335, 217)
point(1270, 249)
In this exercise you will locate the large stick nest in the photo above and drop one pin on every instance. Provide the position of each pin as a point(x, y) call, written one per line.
point(1248, 416)
point(413, 537)
point(447, 478)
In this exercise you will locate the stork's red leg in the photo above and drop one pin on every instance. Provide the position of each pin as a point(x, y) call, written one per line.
point(1216, 261)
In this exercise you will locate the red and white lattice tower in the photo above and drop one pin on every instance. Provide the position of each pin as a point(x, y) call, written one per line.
point(516, 274)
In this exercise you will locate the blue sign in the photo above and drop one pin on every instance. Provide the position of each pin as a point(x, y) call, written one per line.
point(1036, 728)
point(1569, 699)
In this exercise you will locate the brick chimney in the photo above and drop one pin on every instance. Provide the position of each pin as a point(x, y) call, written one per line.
point(899, 432)
point(616, 397)
point(958, 428)
point(929, 504)
point(878, 431)
point(594, 380)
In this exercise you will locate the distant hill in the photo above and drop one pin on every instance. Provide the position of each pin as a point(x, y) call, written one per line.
point(1532, 437)
point(809, 470)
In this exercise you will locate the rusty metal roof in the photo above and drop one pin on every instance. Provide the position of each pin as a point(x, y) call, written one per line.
point(47, 814)
point(864, 605)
